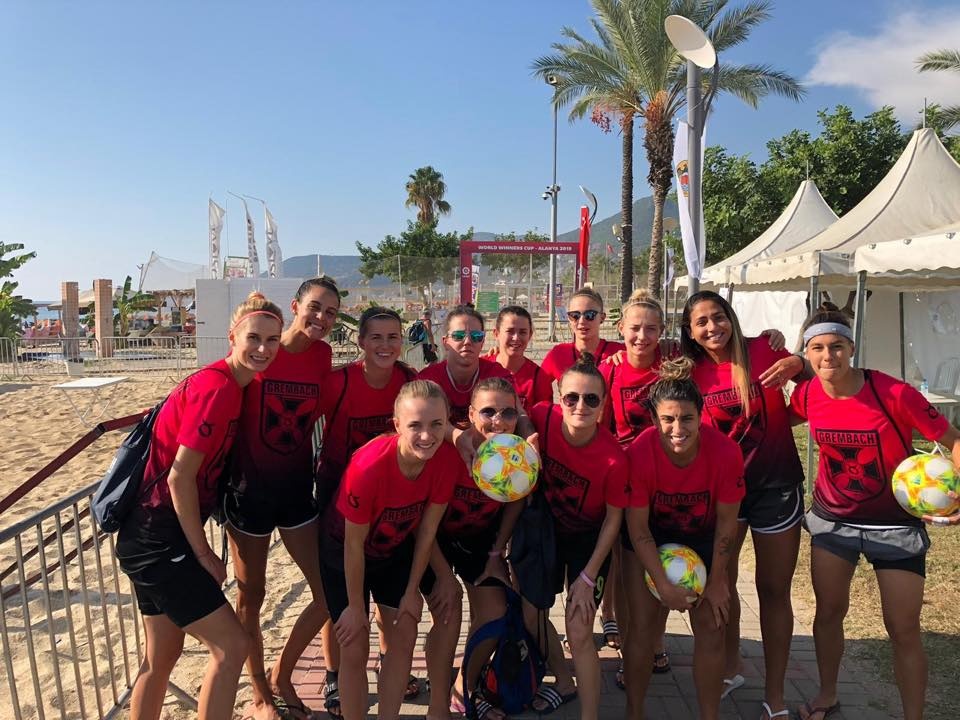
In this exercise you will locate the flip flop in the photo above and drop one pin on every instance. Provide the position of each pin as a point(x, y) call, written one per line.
point(611, 634)
point(331, 698)
point(732, 683)
point(810, 710)
point(481, 707)
point(552, 698)
point(771, 714)
point(661, 663)
point(292, 710)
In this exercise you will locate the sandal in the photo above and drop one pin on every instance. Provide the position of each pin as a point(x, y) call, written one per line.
point(331, 696)
point(481, 708)
point(552, 699)
point(292, 710)
point(611, 634)
point(811, 711)
point(619, 677)
point(661, 663)
point(771, 714)
point(732, 683)
point(413, 684)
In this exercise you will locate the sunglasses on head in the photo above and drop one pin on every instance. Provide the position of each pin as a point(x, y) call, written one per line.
point(590, 315)
point(507, 414)
point(591, 400)
point(461, 335)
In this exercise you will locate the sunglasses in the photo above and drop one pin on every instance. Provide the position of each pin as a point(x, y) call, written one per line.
point(590, 315)
point(461, 335)
point(508, 414)
point(591, 400)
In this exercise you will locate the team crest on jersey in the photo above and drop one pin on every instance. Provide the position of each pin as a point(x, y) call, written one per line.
point(392, 528)
point(683, 513)
point(853, 462)
point(634, 403)
point(565, 490)
point(286, 414)
point(361, 430)
point(469, 509)
point(726, 410)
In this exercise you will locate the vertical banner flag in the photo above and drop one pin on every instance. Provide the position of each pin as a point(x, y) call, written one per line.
point(274, 257)
point(251, 245)
point(584, 252)
point(216, 214)
point(474, 283)
point(692, 255)
point(668, 272)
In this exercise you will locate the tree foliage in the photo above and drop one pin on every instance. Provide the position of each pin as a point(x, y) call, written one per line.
point(425, 191)
point(943, 61)
point(127, 303)
point(517, 265)
point(13, 307)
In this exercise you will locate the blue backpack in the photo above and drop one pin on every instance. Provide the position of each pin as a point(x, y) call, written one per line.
point(417, 332)
point(511, 678)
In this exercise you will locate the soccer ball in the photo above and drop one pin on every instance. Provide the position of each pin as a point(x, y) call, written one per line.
point(921, 483)
point(684, 569)
point(506, 467)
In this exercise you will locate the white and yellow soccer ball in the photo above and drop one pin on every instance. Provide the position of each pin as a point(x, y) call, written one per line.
point(921, 483)
point(506, 467)
point(684, 569)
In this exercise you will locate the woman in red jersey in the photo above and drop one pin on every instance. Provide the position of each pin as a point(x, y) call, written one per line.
point(513, 333)
point(271, 487)
point(863, 422)
point(585, 482)
point(471, 543)
point(741, 380)
point(463, 366)
point(357, 406)
point(687, 482)
point(162, 546)
point(585, 315)
point(378, 540)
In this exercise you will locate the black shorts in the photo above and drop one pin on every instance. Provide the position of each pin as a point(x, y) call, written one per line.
point(258, 509)
point(772, 510)
point(886, 548)
point(467, 556)
point(165, 574)
point(573, 554)
point(385, 579)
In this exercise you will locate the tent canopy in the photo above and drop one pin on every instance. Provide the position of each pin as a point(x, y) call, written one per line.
point(927, 261)
point(919, 194)
point(161, 274)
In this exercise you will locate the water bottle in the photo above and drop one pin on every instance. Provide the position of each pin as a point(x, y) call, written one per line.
point(924, 386)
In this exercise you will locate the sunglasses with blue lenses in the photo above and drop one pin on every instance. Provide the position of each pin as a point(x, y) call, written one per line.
point(589, 315)
point(461, 335)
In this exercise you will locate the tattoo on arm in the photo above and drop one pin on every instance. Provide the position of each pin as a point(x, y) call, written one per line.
point(725, 545)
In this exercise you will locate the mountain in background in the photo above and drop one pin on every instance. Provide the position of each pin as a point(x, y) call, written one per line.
point(346, 268)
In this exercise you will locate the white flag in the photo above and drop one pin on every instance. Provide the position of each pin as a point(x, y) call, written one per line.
point(251, 245)
point(216, 214)
point(668, 271)
point(274, 257)
point(692, 255)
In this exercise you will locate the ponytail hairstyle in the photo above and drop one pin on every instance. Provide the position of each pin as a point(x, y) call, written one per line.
point(586, 365)
point(496, 384)
point(641, 297)
point(422, 390)
point(255, 304)
point(675, 384)
point(461, 310)
point(588, 292)
point(513, 310)
point(739, 357)
point(324, 281)
point(375, 313)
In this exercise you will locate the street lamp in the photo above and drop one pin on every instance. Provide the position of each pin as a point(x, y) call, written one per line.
point(693, 45)
point(551, 193)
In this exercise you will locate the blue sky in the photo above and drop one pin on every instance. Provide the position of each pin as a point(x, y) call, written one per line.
point(121, 118)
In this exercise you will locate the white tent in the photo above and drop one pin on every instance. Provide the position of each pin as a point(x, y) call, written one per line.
point(161, 274)
point(929, 261)
point(919, 194)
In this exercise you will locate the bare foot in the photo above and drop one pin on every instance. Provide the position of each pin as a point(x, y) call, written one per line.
point(264, 710)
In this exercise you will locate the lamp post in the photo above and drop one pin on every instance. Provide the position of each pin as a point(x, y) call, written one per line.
point(693, 45)
point(551, 193)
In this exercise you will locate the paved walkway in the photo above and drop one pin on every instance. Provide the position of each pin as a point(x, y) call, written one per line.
point(672, 695)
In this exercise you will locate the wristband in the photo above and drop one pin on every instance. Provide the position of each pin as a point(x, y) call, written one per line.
point(590, 583)
point(495, 553)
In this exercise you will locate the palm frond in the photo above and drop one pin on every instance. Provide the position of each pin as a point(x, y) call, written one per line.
point(752, 82)
point(939, 60)
point(735, 26)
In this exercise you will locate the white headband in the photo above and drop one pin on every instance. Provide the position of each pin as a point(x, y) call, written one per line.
point(826, 328)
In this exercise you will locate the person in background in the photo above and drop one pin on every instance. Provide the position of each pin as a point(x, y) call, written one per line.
point(429, 342)
point(585, 315)
point(513, 333)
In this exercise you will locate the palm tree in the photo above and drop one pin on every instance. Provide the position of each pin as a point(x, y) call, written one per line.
point(127, 303)
point(632, 71)
point(425, 191)
point(948, 61)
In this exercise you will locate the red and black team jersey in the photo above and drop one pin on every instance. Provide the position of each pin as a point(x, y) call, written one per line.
point(201, 413)
point(280, 408)
point(862, 439)
point(764, 434)
point(532, 383)
point(683, 501)
point(579, 482)
point(374, 492)
point(354, 413)
point(460, 399)
point(469, 511)
point(627, 390)
point(563, 356)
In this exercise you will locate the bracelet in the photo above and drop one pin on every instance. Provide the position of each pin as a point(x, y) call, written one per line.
point(495, 553)
point(590, 583)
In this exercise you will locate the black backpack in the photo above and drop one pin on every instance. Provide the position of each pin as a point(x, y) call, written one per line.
point(120, 486)
point(417, 332)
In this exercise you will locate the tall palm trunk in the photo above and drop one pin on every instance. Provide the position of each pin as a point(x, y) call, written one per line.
point(658, 141)
point(626, 210)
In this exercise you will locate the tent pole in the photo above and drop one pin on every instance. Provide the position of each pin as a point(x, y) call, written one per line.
point(814, 296)
point(858, 318)
point(903, 351)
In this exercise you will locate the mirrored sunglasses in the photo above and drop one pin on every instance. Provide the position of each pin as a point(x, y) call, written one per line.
point(507, 414)
point(461, 335)
point(590, 315)
point(591, 400)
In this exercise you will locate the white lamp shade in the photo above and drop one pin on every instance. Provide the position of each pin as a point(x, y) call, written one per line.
point(690, 41)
